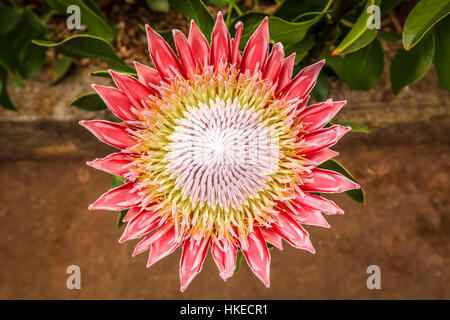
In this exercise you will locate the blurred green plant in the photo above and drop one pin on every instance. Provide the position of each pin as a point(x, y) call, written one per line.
point(19, 58)
point(158, 5)
point(117, 181)
point(90, 14)
point(312, 29)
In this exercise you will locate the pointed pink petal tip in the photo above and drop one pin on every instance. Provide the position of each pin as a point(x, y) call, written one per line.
point(147, 75)
point(264, 24)
point(116, 199)
point(225, 275)
point(220, 43)
point(199, 45)
point(318, 65)
point(324, 138)
point(115, 163)
point(161, 248)
point(148, 241)
point(309, 247)
point(255, 53)
point(314, 202)
point(192, 259)
point(292, 232)
point(328, 181)
point(274, 63)
point(258, 256)
point(110, 133)
point(278, 45)
point(140, 226)
point(225, 258)
point(341, 130)
point(93, 164)
point(285, 72)
point(112, 72)
point(184, 53)
point(133, 89)
point(162, 55)
point(272, 237)
point(321, 156)
point(303, 82)
point(316, 116)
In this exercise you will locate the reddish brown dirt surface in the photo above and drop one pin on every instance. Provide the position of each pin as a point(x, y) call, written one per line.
point(404, 228)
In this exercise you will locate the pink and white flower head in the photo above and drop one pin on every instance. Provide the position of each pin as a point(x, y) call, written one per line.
point(218, 151)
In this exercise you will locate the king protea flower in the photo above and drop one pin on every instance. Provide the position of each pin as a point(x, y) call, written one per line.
point(218, 151)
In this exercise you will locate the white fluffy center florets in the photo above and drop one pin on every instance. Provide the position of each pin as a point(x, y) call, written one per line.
point(222, 154)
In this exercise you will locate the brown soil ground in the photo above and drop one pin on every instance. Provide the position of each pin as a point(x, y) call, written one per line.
point(404, 228)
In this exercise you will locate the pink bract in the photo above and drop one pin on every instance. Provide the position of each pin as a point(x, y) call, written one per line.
point(219, 151)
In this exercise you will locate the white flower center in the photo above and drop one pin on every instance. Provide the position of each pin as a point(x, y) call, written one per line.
point(222, 154)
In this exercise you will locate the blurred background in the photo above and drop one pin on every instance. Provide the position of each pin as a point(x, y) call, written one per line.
point(396, 84)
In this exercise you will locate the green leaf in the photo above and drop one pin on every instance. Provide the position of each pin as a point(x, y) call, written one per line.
point(87, 46)
point(361, 69)
point(359, 30)
point(389, 5)
point(421, 19)
point(195, 9)
point(32, 60)
point(60, 69)
point(167, 35)
point(5, 102)
point(122, 214)
point(21, 56)
point(89, 102)
point(301, 48)
point(292, 32)
point(105, 74)
point(364, 40)
point(239, 256)
point(358, 194)
point(251, 21)
point(158, 5)
point(9, 60)
point(216, 3)
point(390, 36)
point(92, 4)
point(320, 90)
point(442, 54)
point(289, 9)
point(116, 181)
point(356, 127)
point(408, 67)
point(22, 34)
point(37, 24)
point(89, 14)
point(9, 18)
